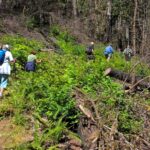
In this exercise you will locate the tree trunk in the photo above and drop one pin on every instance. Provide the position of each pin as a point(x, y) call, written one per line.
point(127, 35)
point(138, 80)
point(134, 25)
point(109, 11)
point(74, 4)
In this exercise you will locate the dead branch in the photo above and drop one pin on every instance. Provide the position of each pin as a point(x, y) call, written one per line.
point(142, 82)
point(137, 83)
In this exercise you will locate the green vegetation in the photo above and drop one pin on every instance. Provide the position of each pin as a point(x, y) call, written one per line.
point(44, 99)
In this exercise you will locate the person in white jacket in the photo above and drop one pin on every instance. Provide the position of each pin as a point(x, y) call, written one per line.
point(5, 68)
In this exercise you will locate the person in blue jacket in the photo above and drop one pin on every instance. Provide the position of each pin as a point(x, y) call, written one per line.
point(108, 52)
point(5, 68)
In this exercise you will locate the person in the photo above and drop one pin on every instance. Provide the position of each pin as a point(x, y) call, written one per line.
point(89, 51)
point(5, 68)
point(108, 52)
point(128, 53)
point(31, 62)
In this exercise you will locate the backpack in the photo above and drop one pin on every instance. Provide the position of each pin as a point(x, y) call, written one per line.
point(2, 56)
point(128, 52)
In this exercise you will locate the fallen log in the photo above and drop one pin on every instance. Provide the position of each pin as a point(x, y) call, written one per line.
point(136, 81)
point(47, 49)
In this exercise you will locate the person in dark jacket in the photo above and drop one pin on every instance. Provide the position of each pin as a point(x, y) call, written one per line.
point(89, 51)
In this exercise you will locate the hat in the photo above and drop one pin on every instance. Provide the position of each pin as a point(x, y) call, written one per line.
point(7, 46)
point(92, 43)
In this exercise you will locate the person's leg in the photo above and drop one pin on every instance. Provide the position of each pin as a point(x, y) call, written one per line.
point(1, 89)
point(88, 57)
point(106, 56)
point(109, 56)
point(4, 82)
point(127, 57)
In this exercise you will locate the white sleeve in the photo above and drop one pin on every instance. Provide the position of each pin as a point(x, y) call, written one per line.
point(10, 56)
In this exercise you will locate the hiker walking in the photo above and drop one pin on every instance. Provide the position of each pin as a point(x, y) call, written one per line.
point(89, 51)
point(108, 52)
point(31, 62)
point(128, 53)
point(5, 69)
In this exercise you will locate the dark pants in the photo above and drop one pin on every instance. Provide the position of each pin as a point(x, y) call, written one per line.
point(108, 56)
point(30, 66)
point(127, 57)
point(90, 57)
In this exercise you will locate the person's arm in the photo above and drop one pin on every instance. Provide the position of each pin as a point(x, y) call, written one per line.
point(11, 59)
point(14, 60)
point(38, 60)
point(112, 50)
point(92, 48)
point(131, 51)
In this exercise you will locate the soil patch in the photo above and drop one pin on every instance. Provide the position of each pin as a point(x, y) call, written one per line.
point(13, 135)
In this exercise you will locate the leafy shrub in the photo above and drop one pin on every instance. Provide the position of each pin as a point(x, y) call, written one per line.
point(129, 124)
point(31, 23)
point(55, 30)
point(21, 47)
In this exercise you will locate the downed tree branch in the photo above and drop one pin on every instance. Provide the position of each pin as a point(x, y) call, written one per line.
point(46, 49)
point(123, 137)
point(139, 80)
point(92, 133)
point(132, 69)
point(87, 112)
point(144, 141)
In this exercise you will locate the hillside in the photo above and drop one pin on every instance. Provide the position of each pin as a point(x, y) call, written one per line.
point(121, 22)
point(68, 103)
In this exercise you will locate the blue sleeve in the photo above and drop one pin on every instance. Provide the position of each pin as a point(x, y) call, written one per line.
point(112, 50)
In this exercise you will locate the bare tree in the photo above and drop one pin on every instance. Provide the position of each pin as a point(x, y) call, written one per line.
point(134, 25)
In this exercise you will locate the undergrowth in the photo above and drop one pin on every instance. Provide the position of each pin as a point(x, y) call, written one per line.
point(47, 93)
